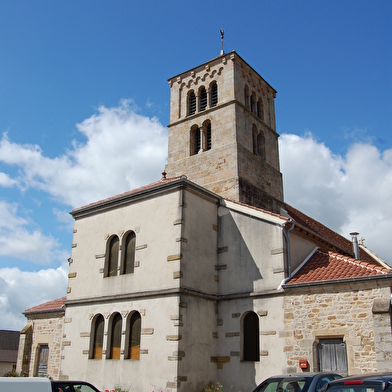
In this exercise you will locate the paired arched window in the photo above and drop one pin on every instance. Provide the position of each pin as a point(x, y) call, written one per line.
point(128, 247)
point(133, 336)
point(115, 336)
point(200, 138)
point(97, 328)
point(203, 100)
point(250, 337)
point(253, 104)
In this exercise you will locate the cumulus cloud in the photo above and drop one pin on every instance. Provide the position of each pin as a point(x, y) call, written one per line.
point(350, 193)
point(19, 240)
point(21, 290)
point(6, 181)
point(122, 150)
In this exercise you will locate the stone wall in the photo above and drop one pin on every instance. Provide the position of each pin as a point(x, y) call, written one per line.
point(345, 314)
point(42, 331)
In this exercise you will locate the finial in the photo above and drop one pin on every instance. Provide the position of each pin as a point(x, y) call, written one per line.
point(163, 175)
point(222, 35)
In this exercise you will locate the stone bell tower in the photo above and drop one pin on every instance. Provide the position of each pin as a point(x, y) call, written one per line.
point(222, 132)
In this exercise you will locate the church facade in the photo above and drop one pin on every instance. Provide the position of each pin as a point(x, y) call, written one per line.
point(207, 275)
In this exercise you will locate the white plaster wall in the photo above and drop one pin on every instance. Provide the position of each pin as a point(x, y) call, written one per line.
point(152, 220)
point(241, 375)
point(199, 251)
point(252, 250)
point(154, 369)
point(197, 344)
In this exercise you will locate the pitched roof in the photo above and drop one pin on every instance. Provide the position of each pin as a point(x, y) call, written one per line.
point(56, 305)
point(329, 238)
point(325, 265)
point(124, 195)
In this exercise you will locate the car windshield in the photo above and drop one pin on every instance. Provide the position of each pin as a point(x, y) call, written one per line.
point(282, 385)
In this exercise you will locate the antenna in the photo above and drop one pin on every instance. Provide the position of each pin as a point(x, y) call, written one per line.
point(222, 35)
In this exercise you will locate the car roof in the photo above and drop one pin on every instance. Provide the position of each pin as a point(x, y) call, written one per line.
point(371, 377)
point(307, 374)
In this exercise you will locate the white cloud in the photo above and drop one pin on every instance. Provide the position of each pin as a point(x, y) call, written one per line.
point(6, 181)
point(16, 240)
point(350, 193)
point(20, 290)
point(123, 150)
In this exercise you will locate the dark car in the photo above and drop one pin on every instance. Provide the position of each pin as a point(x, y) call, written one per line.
point(301, 382)
point(375, 382)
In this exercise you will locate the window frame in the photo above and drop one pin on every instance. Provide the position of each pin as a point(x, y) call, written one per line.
point(115, 337)
point(109, 255)
point(133, 318)
point(94, 337)
point(125, 263)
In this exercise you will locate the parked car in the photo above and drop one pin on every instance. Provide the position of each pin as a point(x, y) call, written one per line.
point(42, 384)
point(301, 382)
point(375, 382)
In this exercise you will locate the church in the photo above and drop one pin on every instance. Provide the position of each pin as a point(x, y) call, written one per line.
point(207, 274)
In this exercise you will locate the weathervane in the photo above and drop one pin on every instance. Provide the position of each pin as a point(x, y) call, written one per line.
point(222, 35)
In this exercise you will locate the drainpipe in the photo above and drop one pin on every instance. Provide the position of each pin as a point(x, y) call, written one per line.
point(287, 238)
point(354, 235)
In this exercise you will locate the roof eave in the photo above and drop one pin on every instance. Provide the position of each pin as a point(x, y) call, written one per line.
point(337, 281)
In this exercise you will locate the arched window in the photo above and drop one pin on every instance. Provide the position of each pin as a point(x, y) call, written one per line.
point(202, 99)
point(191, 103)
point(214, 94)
point(250, 337)
point(258, 142)
point(246, 97)
point(132, 347)
point(115, 336)
point(112, 257)
point(253, 103)
point(128, 252)
point(261, 145)
point(96, 342)
point(195, 142)
point(260, 111)
point(208, 136)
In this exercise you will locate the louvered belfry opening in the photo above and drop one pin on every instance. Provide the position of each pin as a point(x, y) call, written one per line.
point(203, 99)
point(208, 136)
point(214, 95)
point(192, 103)
point(197, 141)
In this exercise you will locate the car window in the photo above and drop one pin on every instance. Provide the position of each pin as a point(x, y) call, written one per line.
point(323, 380)
point(282, 385)
point(72, 387)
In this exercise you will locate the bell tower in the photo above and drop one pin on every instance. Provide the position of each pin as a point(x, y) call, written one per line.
point(222, 132)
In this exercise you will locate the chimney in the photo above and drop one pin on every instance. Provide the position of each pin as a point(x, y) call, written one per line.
point(354, 235)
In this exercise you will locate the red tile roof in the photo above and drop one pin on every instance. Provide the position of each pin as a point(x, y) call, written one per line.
point(56, 305)
point(328, 237)
point(326, 265)
point(120, 196)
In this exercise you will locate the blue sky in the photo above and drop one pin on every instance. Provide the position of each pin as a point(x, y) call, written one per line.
point(84, 104)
